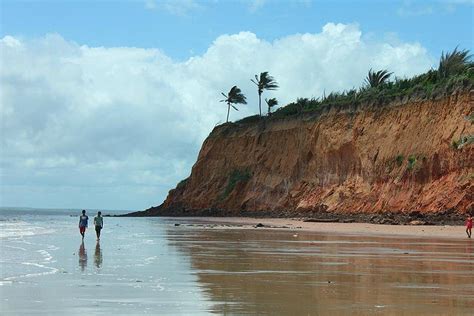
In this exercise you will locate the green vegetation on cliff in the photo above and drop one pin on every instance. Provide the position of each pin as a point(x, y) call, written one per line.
point(235, 177)
point(455, 71)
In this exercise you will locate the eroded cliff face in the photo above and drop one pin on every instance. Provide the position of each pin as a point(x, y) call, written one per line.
point(378, 159)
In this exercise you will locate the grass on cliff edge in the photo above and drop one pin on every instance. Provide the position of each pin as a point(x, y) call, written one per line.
point(235, 177)
point(429, 85)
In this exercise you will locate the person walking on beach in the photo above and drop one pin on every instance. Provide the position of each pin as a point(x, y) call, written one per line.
point(83, 222)
point(98, 223)
point(469, 226)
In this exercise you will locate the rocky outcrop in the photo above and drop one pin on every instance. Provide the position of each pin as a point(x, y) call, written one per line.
point(412, 158)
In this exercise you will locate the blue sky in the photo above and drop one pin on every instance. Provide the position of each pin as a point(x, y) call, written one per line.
point(182, 28)
point(105, 104)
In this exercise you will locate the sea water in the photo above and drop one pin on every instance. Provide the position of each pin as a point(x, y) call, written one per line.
point(46, 268)
point(166, 266)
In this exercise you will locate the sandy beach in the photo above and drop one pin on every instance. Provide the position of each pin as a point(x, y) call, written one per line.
point(428, 231)
point(228, 266)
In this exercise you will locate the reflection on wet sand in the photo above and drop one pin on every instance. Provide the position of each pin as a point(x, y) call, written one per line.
point(277, 272)
point(82, 256)
point(98, 255)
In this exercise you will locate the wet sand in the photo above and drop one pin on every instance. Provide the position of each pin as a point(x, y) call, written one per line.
point(202, 266)
point(428, 231)
point(131, 271)
point(287, 272)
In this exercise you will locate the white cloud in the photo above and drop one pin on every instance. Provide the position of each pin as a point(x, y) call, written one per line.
point(118, 127)
point(10, 41)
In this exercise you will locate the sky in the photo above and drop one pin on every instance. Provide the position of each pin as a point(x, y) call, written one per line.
point(105, 104)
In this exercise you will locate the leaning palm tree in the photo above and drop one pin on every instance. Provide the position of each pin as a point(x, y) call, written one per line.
point(454, 62)
point(376, 79)
point(265, 82)
point(271, 103)
point(234, 96)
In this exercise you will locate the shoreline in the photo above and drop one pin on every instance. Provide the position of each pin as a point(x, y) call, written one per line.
point(447, 217)
point(425, 231)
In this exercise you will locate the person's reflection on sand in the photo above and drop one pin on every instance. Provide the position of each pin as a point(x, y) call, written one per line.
point(98, 256)
point(82, 257)
point(469, 248)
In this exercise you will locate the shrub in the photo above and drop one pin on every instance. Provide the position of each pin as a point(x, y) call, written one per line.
point(411, 162)
point(235, 177)
point(289, 110)
point(469, 140)
point(182, 183)
point(399, 160)
point(455, 144)
point(250, 119)
point(463, 141)
point(470, 118)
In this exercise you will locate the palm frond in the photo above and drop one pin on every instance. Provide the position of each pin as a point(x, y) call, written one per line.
point(235, 96)
point(377, 78)
point(267, 82)
point(271, 102)
point(455, 62)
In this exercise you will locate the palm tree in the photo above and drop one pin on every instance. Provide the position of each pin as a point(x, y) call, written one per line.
point(375, 79)
point(234, 96)
point(454, 62)
point(265, 82)
point(271, 103)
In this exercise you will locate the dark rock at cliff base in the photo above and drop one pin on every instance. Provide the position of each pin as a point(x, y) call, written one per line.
point(447, 217)
point(348, 220)
point(415, 214)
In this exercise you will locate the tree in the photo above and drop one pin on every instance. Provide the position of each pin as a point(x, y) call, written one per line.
point(376, 79)
point(271, 103)
point(235, 96)
point(265, 82)
point(454, 62)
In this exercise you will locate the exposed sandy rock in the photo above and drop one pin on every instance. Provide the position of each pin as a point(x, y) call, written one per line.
point(352, 161)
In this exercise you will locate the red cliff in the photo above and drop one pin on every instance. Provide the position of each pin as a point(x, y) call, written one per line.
point(402, 158)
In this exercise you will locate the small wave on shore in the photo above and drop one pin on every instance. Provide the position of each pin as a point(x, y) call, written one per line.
point(18, 228)
point(43, 270)
point(23, 255)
